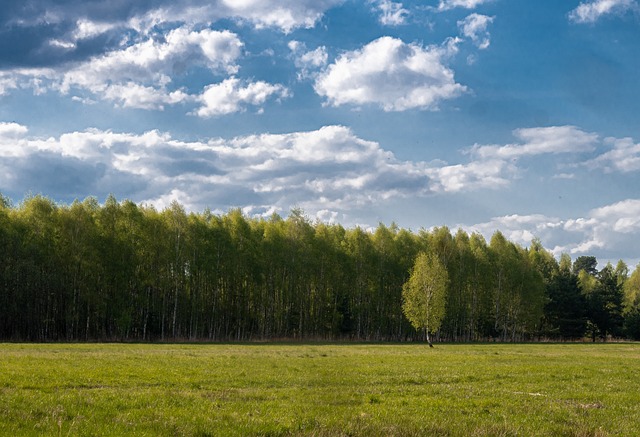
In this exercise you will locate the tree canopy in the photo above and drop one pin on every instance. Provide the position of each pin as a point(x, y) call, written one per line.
point(424, 294)
point(123, 271)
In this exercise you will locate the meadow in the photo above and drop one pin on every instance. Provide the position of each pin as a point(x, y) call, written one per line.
point(319, 389)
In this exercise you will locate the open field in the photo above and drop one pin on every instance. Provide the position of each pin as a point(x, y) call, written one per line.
point(288, 389)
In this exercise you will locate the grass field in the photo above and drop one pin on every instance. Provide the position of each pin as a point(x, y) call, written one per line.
point(322, 390)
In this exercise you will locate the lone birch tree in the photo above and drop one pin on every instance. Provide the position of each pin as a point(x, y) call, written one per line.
point(424, 294)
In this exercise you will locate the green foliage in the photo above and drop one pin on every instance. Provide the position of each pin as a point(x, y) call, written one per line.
point(565, 309)
point(605, 305)
point(122, 271)
point(319, 390)
point(424, 294)
point(631, 289)
point(587, 264)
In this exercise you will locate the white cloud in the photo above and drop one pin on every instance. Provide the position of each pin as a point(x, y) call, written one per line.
point(230, 96)
point(491, 174)
point(7, 82)
point(541, 140)
point(11, 131)
point(623, 217)
point(88, 29)
point(314, 58)
point(141, 75)
point(591, 11)
point(153, 62)
point(325, 171)
point(133, 95)
point(391, 13)
point(308, 62)
point(606, 230)
point(611, 228)
point(392, 74)
point(11, 139)
point(520, 229)
point(445, 5)
point(475, 27)
point(624, 156)
point(285, 15)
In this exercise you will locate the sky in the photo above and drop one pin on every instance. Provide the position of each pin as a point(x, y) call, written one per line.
point(483, 115)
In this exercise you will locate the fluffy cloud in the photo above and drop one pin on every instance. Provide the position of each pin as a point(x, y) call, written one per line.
point(329, 170)
point(609, 229)
point(521, 229)
point(153, 62)
point(392, 74)
point(141, 75)
point(308, 62)
point(624, 156)
point(7, 83)
point(330, 165)
point(591, 11)
point(133, 95)
point(475, 27)
point(10, 131)
point(73, 20)
point(445, 5)
point(284, 14)
point(391, 13)
point(541, 140)
point(491, 174)
point(231, 96)
point(133, 54)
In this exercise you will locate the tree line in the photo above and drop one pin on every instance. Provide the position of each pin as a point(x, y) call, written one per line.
point(127, 272)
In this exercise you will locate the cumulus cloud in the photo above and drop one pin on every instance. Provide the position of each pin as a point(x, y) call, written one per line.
point(74, 20)
point(592, 11)
point(231, 96)
point(7, 83)
point(133, 53)
point(10, 131)
point(133, 95)
point(391, 13)
point(475, 28)
point(330, 165)
point(308, 62)
point(521, 229)
point(391, 74)
point(540, 140)
point(154, 61)
point(623, 156)
point(445, 5)
point(284, 14)
point(609, 229)
point(491, 174)
point(141, 75)
point(329, 170)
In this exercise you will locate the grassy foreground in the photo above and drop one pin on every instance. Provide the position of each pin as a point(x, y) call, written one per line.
point(322, 390)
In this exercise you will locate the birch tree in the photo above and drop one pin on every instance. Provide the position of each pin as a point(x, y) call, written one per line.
point(424, 294)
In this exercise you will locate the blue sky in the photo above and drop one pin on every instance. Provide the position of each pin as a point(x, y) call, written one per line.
point(487, 115)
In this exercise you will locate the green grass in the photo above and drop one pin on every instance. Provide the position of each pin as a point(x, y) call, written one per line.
point(321, 390)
